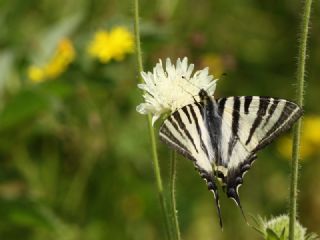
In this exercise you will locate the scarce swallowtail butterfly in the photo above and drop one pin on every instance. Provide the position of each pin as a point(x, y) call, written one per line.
point(222, 136)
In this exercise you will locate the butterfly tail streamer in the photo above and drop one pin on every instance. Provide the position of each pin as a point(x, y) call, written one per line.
point(215, 192)
point(213, 188)
point(232, 193)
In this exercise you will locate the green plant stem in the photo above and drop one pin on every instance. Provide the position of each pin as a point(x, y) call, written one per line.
point(157, 174)
point(137, 38)
point(174, 212)
point(156, 166)
point(297, 130)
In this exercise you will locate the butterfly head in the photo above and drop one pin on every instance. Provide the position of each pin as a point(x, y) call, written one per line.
point(204, 97)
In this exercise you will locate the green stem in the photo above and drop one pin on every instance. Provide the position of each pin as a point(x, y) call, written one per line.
point(157, 174)
point(137, 38)
point(297, 130)
point(156, 166)
point(174, 212)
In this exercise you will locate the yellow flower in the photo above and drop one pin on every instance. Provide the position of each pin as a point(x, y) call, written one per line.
point(122, 42)
point(311, 127)
point(310, 139)
point(59, 62)
point(111, 45)
point(285, 148)
point(63, 56)
point(36, 74)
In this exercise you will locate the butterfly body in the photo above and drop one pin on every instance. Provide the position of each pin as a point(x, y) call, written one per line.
point(222, 136)
point(212, 122)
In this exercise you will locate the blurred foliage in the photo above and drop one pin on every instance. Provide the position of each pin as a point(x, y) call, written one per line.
point(75, 156)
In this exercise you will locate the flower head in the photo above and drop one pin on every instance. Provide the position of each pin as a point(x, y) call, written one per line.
point(169, 89)
point(277, 228)
point(111, 45)
point(36, 74)
point(64, 55)
point(280, 226)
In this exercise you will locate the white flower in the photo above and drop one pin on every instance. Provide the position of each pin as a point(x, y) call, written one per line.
point(169, 89)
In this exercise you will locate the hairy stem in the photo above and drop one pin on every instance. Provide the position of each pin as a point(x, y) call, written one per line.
point(137, 38)
point(297, 130)
point(174, 212)
point(156, 166)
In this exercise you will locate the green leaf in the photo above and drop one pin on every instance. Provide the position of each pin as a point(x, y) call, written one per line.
point(259, 224)
point(312, 236)
point(56, 89)
point(27, 216)
point(282, 237)
point(271, 235)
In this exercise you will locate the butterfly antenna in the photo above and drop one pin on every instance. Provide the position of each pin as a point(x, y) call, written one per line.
point(200, 90)
point(193, 96)
point(222, 76)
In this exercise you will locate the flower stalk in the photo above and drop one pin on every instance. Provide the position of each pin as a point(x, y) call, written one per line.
point(151, 130)
point(297, 130)
point(174, 212)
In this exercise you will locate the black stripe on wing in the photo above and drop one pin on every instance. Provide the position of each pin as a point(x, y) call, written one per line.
point(271, 110)
point(221, 105)
point(182, 126)
point(263, 105)
point(186, 112)
point(167, 137)
point(247, 102)
point(235, 125)
point(195, 119)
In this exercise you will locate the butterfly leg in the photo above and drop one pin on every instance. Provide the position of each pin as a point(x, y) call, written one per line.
point(213, 188)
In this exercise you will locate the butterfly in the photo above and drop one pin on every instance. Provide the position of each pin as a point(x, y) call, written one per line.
point(223, 136)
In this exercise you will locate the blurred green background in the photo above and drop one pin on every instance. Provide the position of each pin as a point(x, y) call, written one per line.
point(75, 155)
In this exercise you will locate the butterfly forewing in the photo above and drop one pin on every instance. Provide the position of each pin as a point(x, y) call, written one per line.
point(186, 131)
